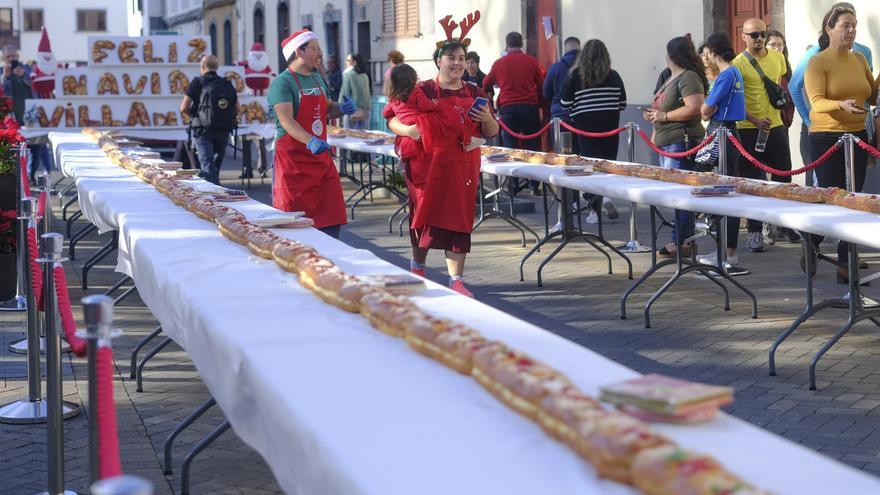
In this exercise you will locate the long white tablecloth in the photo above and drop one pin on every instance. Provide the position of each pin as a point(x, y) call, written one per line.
point(835, 221)
point(336, 407)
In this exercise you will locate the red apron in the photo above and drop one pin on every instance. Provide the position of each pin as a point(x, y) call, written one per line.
point(449, 198)
point(303, 181)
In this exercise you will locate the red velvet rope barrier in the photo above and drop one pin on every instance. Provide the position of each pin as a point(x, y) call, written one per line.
point(41, 204)
point(784, 173)
point(524, 137)
point(591, 134)
point(108, 435)
point(36, 271)
point(867, 147)
point(25, 183)
point(682, 154)
point(68, 324)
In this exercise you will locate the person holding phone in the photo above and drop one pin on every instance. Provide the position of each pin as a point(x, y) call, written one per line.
point(838, 83)
point(444, 218)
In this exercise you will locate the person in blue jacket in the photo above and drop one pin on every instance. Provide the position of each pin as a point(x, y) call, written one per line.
point(799, 97)
point(555, 81)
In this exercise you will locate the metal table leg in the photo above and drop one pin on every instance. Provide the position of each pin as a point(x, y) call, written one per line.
point(196, 450)
point(134, 353)
point(96, 258)
point(150, 355)
point(80, 235)
point(169, 442)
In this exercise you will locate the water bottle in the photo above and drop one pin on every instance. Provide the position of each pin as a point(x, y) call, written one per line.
point(761, 144)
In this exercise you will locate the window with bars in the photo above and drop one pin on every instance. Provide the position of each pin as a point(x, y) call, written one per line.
point(33, 19)
point(400, 17)
point(91, 20)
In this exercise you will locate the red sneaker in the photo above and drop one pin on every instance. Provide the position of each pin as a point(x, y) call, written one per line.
point(417, 271)
point(458, 286)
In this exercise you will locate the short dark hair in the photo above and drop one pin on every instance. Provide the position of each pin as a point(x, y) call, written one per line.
point(572, 40)
point(395, 56)
point(472, 56)
point(719, 45)
point(448, 47)
point(513, 40)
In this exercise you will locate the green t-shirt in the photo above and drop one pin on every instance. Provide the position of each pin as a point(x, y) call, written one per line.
point(284, 89)
point(671, 97)
point(757, 101)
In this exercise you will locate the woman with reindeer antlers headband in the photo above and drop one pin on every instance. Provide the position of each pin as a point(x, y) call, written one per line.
point(443, 190)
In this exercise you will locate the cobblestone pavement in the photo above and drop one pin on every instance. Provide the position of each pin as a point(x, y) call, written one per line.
point(691, 337)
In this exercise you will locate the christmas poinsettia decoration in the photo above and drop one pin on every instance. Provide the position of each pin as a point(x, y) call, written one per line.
point(9, 138)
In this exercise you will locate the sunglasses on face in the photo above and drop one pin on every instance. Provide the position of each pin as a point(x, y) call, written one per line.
point(757, 34)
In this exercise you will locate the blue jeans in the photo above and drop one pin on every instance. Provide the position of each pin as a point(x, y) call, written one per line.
point(211, 147)
point(39, 154)
point(684, 219)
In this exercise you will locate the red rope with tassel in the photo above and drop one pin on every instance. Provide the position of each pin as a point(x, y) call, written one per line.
point(523, 137)
point(784, 173)
point(682, 154)
point(41, 204)
point(108, 434)
point(867, 147)
point(68, 324)
point(591, 134)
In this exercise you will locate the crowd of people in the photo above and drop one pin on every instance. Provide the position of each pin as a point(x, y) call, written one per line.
point(441, 121)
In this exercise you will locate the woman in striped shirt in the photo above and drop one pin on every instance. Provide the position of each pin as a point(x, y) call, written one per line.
point(594, 96)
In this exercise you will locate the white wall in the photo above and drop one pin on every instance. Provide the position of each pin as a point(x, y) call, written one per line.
point(636, 33)
point(60, 20)
point(497, 18)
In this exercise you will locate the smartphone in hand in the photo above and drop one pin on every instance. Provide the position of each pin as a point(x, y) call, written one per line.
point(479, 103)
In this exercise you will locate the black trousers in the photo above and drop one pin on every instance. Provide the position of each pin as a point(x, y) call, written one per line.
point(734, 169)
point(522, 119)
point(833, 172)
point(776, 154)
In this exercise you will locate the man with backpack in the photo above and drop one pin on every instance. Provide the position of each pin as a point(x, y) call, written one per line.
point(211, 101)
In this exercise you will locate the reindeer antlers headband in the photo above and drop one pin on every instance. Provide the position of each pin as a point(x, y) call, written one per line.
point(466, 25)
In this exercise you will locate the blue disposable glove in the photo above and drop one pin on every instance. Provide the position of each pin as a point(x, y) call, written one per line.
point(317, 146)
point(347, 107)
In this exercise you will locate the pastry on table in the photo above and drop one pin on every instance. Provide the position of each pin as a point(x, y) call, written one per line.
point(341, 289)
point(612, 441)
point(672, 470)
point(389, 313)
point(262, 243)
point(235, 228)
point(555, 159)
point(795, 192)
point(862, 202)
point(647, 172)
point(562, 412)
point(444, 340)
point(286, 251)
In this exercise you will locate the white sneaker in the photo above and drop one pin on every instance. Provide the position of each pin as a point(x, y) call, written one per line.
point(610, 209)
point(556, 228)
point(769, 233)
point(592, 218)
point(712, 259)
point(755, 243)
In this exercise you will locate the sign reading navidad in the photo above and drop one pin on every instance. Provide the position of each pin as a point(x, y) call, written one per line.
point(134, 82)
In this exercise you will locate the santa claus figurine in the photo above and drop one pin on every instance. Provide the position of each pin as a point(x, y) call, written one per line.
point(257, 73)
point(43, 76)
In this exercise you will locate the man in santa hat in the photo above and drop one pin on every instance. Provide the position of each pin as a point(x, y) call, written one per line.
point(257, 73)
point(43, 77)
point(305, 177)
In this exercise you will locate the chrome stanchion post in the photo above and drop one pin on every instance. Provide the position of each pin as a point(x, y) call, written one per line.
point(44, 184)
point(633, 246)
point(32, 409)
point(19, 302)
point(28, 218)
point(51, 246)
point(557, 133)
point(125, 484)
point(722, 169)
point(98, 314)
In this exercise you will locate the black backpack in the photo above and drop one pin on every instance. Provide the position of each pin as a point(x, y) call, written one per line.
point(217, 105)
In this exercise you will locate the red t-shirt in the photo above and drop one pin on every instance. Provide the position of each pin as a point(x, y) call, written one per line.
point(520, 78)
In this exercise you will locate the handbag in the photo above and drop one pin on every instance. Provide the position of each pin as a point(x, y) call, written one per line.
point(707, 156)
point(778, 97)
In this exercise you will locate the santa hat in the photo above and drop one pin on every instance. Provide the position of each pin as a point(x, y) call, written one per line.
point(44, 46)
point(257, 47)
point(296, 40)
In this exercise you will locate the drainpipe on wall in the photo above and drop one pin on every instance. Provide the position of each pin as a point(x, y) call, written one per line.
point(350, 27)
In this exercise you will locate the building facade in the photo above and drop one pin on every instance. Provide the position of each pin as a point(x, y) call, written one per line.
point(221, 26)
point(184, 17)
point(69, 24)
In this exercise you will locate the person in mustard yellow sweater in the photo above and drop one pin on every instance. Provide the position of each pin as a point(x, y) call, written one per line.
point(838, 83)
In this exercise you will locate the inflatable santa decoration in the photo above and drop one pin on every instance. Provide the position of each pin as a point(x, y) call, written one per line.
point(257, 73)
point(43, 76)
